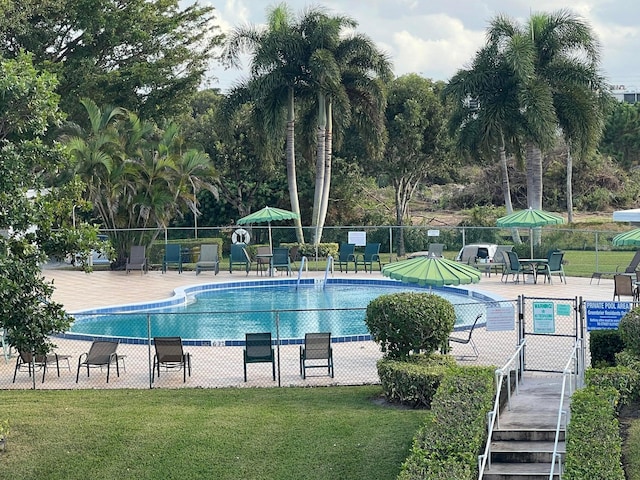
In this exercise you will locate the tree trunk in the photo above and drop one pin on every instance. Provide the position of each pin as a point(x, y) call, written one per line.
point(291, 168)
point(506, 192)
point(320, 158)
point(569, 183)
point(326, 189)
point(534, 185)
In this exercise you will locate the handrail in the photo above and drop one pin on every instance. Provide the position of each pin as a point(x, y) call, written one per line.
point(493, 415)
point(303, 260)
point(566, 373)
point(326, 270)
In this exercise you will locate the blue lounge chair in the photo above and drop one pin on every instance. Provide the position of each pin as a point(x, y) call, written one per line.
point(258, 349)
point(239, 256)
point(172, 256)
point(371, 254)
point(280, 259)
point(346, 255)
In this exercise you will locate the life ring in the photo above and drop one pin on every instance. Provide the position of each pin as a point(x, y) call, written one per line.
point(240, 236)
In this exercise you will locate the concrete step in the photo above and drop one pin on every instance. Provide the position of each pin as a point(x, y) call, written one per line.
point(515, 451)
point(528, 434)
point(519, 471)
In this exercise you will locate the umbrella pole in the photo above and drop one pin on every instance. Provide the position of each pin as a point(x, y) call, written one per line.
point(270, 241)
point(531, 241)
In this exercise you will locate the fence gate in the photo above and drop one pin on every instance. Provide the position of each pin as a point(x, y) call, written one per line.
point(550, 327)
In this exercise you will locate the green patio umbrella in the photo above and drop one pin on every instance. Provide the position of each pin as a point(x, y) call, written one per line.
point(431, 271)
point(631, 237)
point(529, 218)
point(268, 215)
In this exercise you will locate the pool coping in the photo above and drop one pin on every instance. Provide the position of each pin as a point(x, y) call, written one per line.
point(182, 295)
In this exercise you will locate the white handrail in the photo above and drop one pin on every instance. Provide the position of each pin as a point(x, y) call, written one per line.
point(326, 270)
point(493, 415)
point(303, 260)
point(568, 372)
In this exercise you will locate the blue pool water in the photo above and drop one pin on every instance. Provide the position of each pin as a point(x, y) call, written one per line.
point(221, 312)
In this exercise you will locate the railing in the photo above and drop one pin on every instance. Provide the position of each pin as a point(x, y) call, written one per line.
point(575, 373)
point(326, 270)
point(493, 417)
point(303, 261)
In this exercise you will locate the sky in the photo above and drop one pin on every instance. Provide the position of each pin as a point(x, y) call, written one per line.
point(436, 38)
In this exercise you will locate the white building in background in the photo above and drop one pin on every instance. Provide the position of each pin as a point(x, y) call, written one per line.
point(626, 93)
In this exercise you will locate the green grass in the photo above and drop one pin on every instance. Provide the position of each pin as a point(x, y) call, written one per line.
point(284, 433)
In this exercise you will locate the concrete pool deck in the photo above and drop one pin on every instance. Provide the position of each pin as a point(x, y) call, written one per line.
point(223, 366)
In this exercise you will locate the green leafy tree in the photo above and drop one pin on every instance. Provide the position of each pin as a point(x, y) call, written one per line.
point(28, 108)
point(147, 55)
point(621, 137)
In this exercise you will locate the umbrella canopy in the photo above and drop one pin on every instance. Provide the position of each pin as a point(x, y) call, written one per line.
point(268, 215)
point(529, 218)
point(432, 271)
point(627, 238)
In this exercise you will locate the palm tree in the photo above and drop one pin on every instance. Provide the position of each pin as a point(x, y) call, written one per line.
point(276, 69)
point(554, 56)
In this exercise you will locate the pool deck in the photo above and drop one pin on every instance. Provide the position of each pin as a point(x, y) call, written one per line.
point(223, 366)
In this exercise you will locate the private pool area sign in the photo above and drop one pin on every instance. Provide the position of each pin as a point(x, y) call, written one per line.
point(605, 315)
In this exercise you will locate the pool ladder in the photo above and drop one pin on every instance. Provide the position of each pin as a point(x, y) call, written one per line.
point(303, 261)
point(326, 270)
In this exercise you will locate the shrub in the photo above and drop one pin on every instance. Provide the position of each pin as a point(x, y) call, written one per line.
point(410, 322)
point(449, 444)
point(413, 382)
point(623, 379)
point(604, 344)
point(594, 446)
point(629, 329)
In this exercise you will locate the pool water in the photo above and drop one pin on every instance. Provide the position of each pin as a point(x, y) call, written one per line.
point(288, 311)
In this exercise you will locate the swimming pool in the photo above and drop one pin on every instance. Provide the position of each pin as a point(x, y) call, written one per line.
point(221, 313)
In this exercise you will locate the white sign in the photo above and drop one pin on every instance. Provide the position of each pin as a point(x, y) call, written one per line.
point(433, 233)
point(359, 239)
point(500, 319)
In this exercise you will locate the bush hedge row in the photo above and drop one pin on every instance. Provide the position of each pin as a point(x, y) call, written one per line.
point(624, 379)
point(603, 345)
point(594, 446)
point(447, 447)
point(413, 382)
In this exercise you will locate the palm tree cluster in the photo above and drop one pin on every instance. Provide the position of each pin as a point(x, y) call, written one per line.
point(138, 176)
point(528, 84)
point(307, 65)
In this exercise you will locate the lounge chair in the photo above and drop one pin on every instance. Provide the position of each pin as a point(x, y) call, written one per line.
point(345, 255)
point(468, 339)
point(26, 361)
point(631, 268)
point(436, 249)
point(515, 268)
point(170, 355)
point(623, 286)
point(101, 354)
point(258, 349)
point(172, 256)
point(280, 259)
point(553, 265)
point(263, 259)
point(208, 259)
point(137, 259)
point(239, 256)
point(500, 258)
point(316, 348)
point(371, 254)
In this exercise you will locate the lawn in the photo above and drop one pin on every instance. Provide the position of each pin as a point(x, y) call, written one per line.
point(279, 433)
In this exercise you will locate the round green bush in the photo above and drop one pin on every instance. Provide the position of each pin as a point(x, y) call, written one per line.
point(408, 322)
point(629, 329)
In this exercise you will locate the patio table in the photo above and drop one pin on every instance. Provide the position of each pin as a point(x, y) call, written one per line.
point(534, 262)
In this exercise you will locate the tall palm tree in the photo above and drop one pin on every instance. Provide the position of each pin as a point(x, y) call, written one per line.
point(276, 69)
point(552, 55)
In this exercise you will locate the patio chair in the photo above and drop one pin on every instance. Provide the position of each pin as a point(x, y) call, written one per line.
point(172, 256)
point(345, 255)
point(468, 339)
point(137, 259)
point(280, 259)
point(623, 285)
point(553, 265)
point(436, 249)
point(239, 256)
point(101, 354)
point(208, 259)
point(316, 348)
point(294, 252)
point(26, 361)
point(631, 268)
point(258, 349)
point(371, 254)
point(263, 259)
point(170, 355)
point(515, 268)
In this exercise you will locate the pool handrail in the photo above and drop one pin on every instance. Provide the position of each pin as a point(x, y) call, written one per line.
point(326, 270)
point(303, 262)
point(493, 415)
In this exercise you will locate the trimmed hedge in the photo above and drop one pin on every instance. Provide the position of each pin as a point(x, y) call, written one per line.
point(447, 447)
point(629, 328)
point(624, 379)
point(413, 382)
point(603, 345)
point(594, 446)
